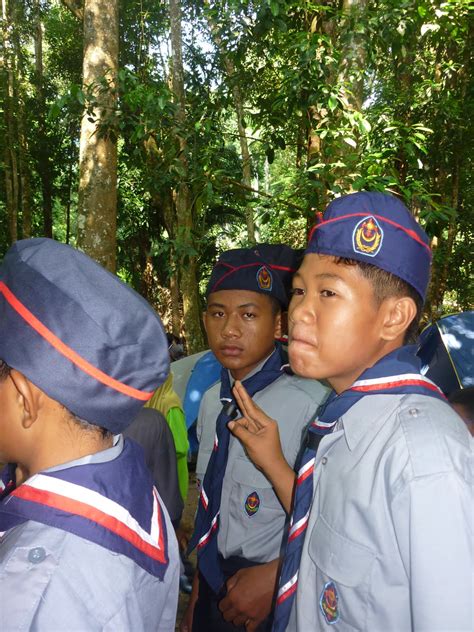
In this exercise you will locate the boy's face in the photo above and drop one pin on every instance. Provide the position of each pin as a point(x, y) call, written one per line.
point(334, 322)
point(241, 328)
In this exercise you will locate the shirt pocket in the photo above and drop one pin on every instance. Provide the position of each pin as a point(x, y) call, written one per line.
point(252, 496)
point(343, 577)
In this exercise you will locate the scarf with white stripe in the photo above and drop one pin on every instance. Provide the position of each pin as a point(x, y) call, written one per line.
point(396, 373)
point(112, 503)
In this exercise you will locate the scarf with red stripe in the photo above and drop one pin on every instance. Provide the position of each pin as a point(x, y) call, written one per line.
point(396, 373)
point(112, 503)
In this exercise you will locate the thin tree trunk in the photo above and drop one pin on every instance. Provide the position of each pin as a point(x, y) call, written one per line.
point(97, 202)
point(182, 195)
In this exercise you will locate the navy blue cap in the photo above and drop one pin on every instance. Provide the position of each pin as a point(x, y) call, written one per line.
point(79, 333)
point(264, 268)
point(378, 229)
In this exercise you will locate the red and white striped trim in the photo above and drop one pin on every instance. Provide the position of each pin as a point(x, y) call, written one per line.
point(298, 528)
point(216, 443)
point(204, 499)
point(323, 424)
point(394, 381)
point(81, 501)
point(205, 538)
point(305, 471)
point(287, 589)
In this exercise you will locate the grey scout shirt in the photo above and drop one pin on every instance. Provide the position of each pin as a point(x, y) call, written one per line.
point(256, 535)
point(389, 541)
point(56, 581)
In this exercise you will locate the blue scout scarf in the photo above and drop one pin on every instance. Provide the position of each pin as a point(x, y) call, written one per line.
point(396, 373)
point(113, 504)
point(207, 519)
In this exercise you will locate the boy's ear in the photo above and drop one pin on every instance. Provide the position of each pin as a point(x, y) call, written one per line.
point(398, 315)
point(277, 333)
point(28, 396)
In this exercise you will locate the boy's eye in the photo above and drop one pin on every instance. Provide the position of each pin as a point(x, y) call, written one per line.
point(249, 315)
point(296, 291)
point(217, 314)
point(327, 293)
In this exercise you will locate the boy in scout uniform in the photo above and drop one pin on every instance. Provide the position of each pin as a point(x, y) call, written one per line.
point(240, 522)
point(86, 543)
point(381, 530)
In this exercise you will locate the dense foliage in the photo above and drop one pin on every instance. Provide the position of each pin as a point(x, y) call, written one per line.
point(286, 105)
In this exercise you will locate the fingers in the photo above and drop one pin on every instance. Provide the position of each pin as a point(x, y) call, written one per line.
point(239, 430)
point(250, 410)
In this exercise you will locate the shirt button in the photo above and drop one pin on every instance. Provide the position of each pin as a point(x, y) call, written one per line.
point(324, 460)
point(36, 555)
point(413, 412)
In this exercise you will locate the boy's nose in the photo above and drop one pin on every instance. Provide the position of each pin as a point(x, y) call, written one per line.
point(231, 328)
point(302, 311)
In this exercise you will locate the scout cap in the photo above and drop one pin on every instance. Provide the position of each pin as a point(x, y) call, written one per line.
point(264, 268)
point(81, 335)
point(375, 228)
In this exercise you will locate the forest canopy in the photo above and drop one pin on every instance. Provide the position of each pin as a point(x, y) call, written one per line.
point(154, 135)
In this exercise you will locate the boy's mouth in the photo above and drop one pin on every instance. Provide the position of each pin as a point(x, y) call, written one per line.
point(231, 350)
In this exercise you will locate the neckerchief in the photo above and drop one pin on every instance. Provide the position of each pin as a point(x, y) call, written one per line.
point(396, 373)
point(112, 503)
point(207, 519)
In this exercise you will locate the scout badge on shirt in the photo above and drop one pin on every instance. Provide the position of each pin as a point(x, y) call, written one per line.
point(252, 504)
point(329, 603)
point(264, 279)
point(367, 236)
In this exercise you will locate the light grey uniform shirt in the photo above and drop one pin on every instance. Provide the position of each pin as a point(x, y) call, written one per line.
point(391, 525)
point(55, 581)
point(257, 536)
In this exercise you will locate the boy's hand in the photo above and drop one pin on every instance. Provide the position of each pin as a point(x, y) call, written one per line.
point(260, 437)
point(249, 595)
point(257, 432)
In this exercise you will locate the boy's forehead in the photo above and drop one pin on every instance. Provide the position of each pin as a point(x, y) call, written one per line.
point(238, 298)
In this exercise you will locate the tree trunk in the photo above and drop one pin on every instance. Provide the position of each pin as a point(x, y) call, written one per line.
point(182, 196)
point(10, 151)
point(97, 201)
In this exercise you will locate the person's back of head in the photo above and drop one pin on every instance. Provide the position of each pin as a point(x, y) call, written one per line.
point(80, 352)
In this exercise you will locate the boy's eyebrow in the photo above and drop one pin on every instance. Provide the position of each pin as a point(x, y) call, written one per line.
point(322, 275)
point(244, 305)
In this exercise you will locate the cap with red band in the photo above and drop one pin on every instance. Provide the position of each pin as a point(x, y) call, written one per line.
point(375, 228)
point(264, 268)
point(79, 333)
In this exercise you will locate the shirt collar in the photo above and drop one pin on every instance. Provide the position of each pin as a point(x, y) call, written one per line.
point(98, 457)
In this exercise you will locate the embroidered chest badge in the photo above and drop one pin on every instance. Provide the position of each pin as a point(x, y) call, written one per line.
point(367, 237)
point(264, 279)
point(328, 603)
point(252, 504)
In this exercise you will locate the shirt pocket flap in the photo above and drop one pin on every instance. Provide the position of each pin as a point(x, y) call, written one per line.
point(337, 557)
point(245, 473)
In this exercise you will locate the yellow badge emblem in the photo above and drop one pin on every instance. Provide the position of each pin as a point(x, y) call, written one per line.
point(264, 279)
point(367, 237)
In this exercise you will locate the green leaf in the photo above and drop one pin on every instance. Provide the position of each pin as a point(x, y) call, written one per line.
point(332, 102)
point(351, 142)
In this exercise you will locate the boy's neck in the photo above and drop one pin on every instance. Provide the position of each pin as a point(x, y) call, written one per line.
point(237, 375)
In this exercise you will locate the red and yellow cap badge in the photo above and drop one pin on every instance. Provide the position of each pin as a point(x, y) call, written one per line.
point(264, 279)
point(252, 504)
point(367, 237)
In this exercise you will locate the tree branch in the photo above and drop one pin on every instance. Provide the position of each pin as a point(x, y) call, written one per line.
point(262, 194)
point(76, 7)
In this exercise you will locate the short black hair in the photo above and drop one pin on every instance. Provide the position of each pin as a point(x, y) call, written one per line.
point(4, 370)
point(385, 284)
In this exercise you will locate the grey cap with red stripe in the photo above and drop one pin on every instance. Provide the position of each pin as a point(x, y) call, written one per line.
point(264, 268)
point(79, 333)
point(375, 228)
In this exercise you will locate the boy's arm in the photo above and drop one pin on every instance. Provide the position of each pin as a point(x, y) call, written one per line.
point(259, 435)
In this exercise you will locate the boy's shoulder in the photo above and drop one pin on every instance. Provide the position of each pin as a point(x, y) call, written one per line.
point(435, 437)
